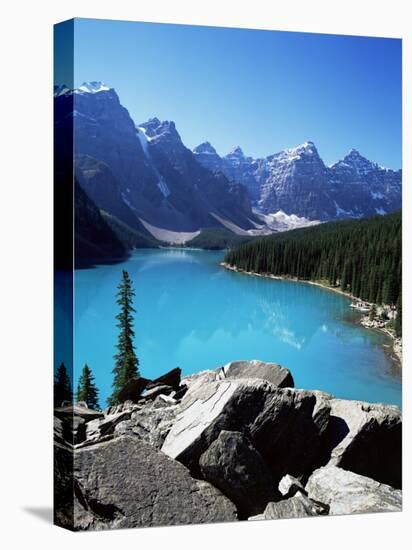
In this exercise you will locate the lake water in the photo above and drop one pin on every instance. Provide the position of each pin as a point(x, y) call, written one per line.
point(192, 313)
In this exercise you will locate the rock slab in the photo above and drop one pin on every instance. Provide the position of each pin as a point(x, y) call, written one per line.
point(350, 493)
point(127, 483)
point(273, 373)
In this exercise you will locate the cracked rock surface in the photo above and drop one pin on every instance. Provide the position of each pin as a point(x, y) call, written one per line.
point(127, 483)
point(349, 493)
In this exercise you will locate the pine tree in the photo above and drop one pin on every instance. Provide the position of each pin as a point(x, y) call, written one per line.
point(87, 390)
point(126, 362)
point(62, 386)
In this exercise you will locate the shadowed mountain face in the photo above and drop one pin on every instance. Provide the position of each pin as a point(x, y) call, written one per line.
point(144, 174)
point(297, 181)
point(94, 239)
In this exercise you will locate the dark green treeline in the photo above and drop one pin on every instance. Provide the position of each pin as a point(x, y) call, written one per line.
point(363, 257)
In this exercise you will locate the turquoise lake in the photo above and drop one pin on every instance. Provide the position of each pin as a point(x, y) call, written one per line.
point(194, 314)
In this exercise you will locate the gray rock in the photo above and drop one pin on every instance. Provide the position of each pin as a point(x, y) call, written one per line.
point(366, 439)
point(273, 373)
point(289, 486)
point(127, 483)
point(78, 428)
point(100, 428)
point(199, 378)
point(350, 493)
point(288, 432)
point(233, 465)
point(93, 430)
point(280, 423)
point(152, 424)
point(298, 506)
point(164, 401)
point(153, 392)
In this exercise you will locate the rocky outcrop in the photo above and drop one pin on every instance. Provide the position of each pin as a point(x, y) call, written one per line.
point(224, 444)
point(282, 424)
point(349, 493)
point(232, 464)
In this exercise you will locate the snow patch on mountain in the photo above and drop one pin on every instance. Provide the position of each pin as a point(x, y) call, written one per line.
point(271, 223)
point(340, 212)
point(162, 185)
point(144, 140)
point(280, 221)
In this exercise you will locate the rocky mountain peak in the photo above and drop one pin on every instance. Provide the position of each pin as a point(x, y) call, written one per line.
point(357, 163)
point(205, 148)
point(236, 152)
point(155, 128)
point(92, 87)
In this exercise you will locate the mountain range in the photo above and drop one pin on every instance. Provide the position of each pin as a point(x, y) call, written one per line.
point(143, 174)
point(148, 185)
point(297, 181)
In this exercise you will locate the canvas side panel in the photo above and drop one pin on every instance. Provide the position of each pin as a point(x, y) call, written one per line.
point(63, 274)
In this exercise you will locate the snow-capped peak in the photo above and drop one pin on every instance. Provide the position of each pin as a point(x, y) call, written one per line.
point(93, 87)
point(307, 150)
point(356, 162)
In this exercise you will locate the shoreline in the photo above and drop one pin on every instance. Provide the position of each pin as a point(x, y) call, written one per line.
point(364, 320)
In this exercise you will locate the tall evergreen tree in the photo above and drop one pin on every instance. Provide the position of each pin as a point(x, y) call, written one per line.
point(126, 362)
point(62, 386)
point(87, 390)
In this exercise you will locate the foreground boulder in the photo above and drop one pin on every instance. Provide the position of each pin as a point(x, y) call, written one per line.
point(349, 493)
point(284, 425)
point(232, 464)
point(127, 483)
point(366, 439)
point(298, 506)
point(273, 373)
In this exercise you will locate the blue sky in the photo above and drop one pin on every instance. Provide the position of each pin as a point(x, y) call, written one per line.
point(263, 90)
